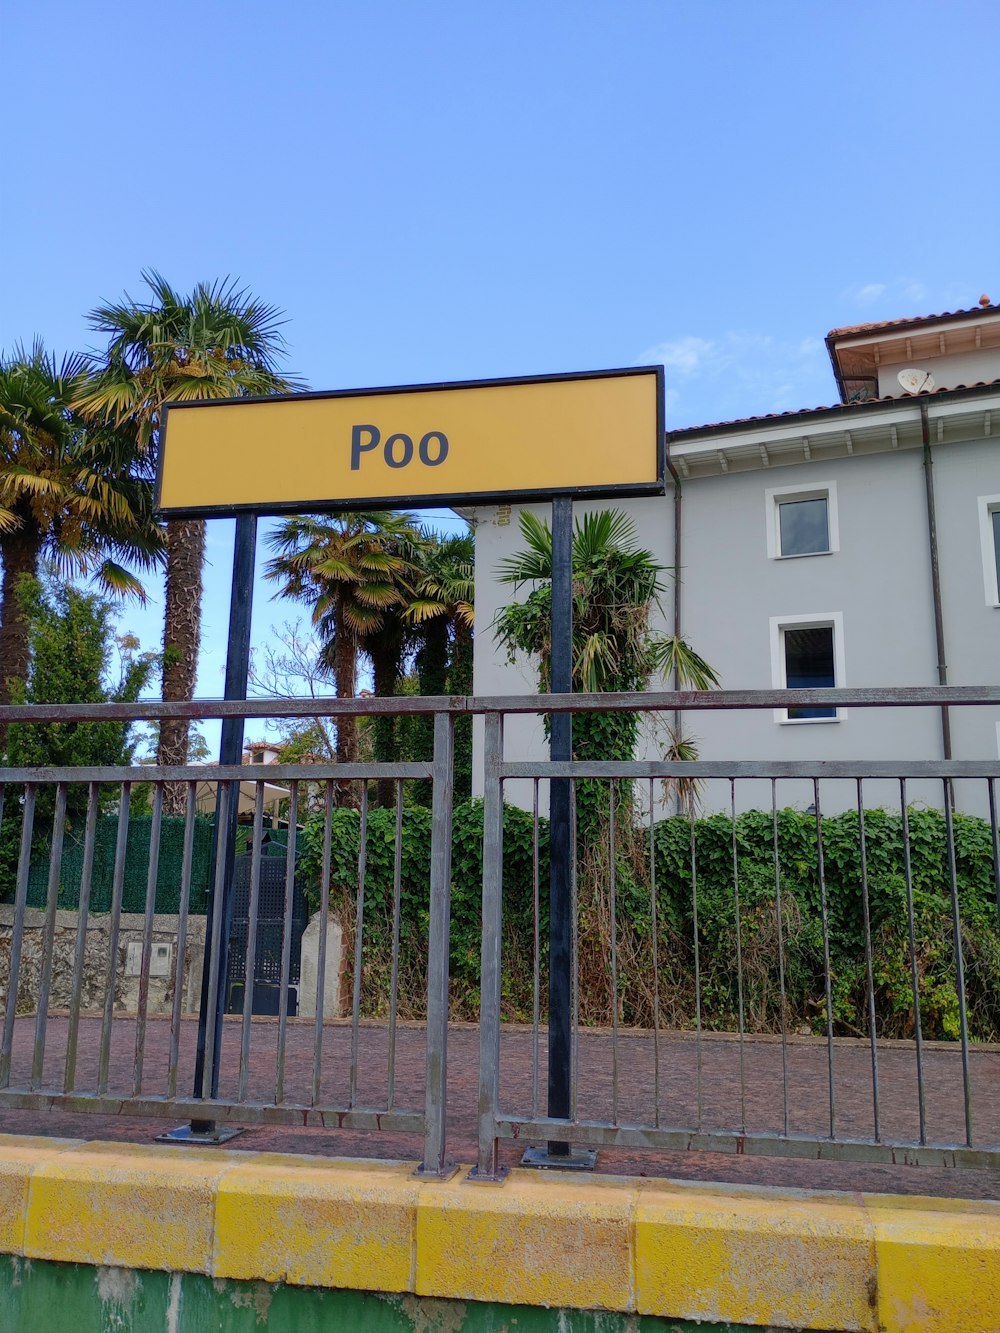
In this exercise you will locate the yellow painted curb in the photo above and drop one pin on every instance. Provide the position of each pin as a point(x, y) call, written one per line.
point(126, 1205)
point(333, 1223)
point(682, 1250)
point(539, 1241)
point(938, 1264)
point(19, 1157)
point(755, 1257)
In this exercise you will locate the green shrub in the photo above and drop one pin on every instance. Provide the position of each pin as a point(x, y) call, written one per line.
point(720, 944)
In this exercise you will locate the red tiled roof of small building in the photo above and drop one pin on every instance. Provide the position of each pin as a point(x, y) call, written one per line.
point(832, 407)
point(852, 330)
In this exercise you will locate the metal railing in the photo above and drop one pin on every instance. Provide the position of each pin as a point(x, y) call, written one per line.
point(734, 1083)
point(111, 1058)
point(92, 1025)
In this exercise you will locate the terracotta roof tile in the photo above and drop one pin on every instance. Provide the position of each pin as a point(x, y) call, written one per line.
point(850, 330)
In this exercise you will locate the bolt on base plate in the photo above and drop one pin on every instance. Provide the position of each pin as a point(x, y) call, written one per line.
point(213, 1134)
point(580, 1159)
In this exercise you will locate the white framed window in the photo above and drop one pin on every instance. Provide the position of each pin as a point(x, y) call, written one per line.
point(807, 652)
point(802, 520)
point(989, 536)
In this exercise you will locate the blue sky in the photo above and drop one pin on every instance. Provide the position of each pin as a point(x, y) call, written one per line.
point(445, 191)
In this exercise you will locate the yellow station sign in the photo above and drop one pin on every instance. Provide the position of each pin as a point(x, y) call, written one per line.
point(588, 434)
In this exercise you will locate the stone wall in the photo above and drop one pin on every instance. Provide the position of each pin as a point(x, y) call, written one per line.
point(161, 987)
point(95, 960)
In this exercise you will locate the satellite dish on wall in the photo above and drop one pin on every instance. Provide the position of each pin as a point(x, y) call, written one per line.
point(914, 380)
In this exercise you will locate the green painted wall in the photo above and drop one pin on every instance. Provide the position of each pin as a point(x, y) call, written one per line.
point(40, 1297)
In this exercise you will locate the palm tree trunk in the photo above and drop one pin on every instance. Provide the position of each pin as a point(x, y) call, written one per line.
point(20, 551)
point(386, 672)
point(185, 540)
point(460, 682)
point(432, 671)
point(345, 678)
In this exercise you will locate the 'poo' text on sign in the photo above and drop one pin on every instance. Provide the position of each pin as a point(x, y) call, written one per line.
point(589, 434)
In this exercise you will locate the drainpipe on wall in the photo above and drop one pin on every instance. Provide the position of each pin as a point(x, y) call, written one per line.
point(678, 513)
point(925, 433)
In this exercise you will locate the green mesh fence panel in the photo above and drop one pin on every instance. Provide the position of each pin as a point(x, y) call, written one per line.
point(168, 879)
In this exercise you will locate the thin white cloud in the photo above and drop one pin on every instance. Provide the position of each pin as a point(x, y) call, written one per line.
point(686, 356)
point(870, 293)
point(739, 373)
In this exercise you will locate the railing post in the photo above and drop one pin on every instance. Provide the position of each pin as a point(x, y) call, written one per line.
point(488, 1166)
point(560, 795)
point(435, 1121)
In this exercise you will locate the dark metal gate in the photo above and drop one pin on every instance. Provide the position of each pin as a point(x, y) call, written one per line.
point(270, 933)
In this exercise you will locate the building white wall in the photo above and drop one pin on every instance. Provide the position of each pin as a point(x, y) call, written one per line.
point(949, 372)
point(878, 583)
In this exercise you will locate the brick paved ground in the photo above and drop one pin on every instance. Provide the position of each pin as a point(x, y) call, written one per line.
point(808, 1095)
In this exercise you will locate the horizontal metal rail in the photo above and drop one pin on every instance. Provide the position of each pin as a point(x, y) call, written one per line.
point(213, 773)
point(298, 1114)
point(698, 769)
point(733, 1141)
point(919, 696)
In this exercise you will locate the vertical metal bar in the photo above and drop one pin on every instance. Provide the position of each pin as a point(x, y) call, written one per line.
point(536, 950)
point(230, 753)
point(869, 968)
point(48, 937)
point(397, 896)
point(739, 959)
point(613, 895)
point(560, 748)
point(359, 939)
point(83, 912)
point(187, 862)
point(286, 945)
point(324, 917)
point(147, 937)
point(17, 935)
point(656, 963)
point(697, 963)
point(215, 944)
point(991, 784)
point(435, 1113)
point(827, 978)
point(574, 909)
point(488, 1164)
point(914, 973)
point(781, 952)
point(117, 888)
point(956, 921)
point(250, 955)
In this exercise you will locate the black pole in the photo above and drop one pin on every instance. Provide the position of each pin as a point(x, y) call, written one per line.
point(230, 752)
point(560, 850)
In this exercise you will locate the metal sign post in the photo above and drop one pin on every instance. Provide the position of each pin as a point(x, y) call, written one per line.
point(230, 752)
point(557, 1153)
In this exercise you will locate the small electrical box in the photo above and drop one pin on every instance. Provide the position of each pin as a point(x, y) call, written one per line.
point(159, 960)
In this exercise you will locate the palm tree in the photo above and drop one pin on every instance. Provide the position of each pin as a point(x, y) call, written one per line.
point(616, 585)
point(217, 342)
point(443, 614)
point(354, 571)
point(70, 492)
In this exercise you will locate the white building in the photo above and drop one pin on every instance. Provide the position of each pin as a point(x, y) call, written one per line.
point(805, 546)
